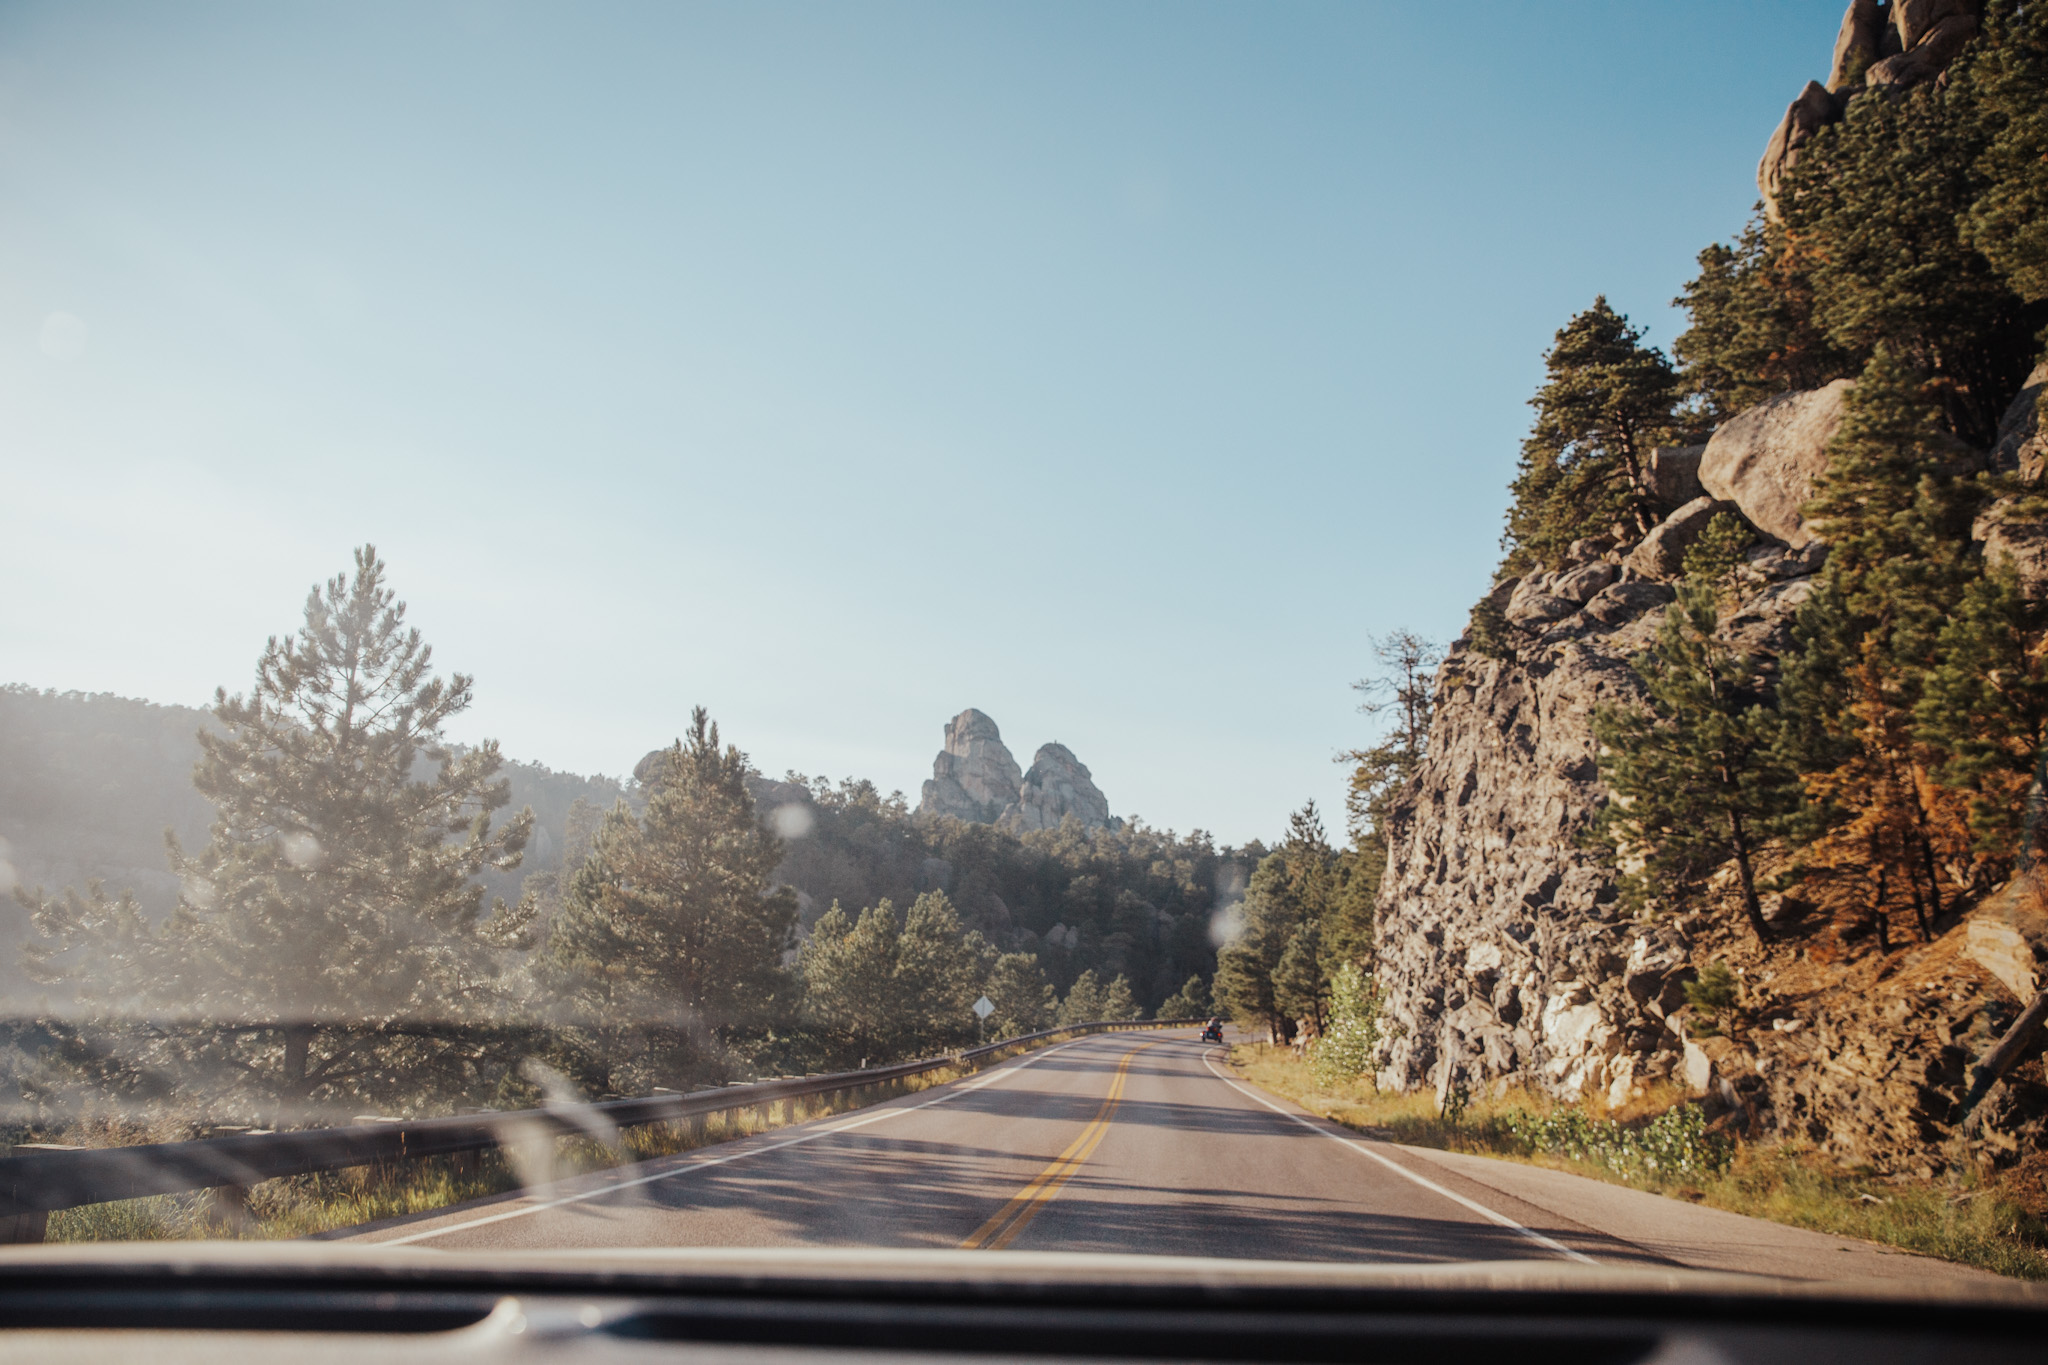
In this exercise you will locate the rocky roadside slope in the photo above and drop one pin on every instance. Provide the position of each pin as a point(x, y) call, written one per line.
point(1503, 954)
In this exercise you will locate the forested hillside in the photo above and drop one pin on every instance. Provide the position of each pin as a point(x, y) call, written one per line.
point(305, 902)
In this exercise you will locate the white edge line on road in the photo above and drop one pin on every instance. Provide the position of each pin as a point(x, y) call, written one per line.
point(1549, 1243)
point(995, 1074)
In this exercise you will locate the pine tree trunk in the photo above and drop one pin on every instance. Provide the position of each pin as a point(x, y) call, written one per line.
point(1933, 887)
point(1882, 916)
point(1738, 839)
point(292, 1088)
point(1919, 902)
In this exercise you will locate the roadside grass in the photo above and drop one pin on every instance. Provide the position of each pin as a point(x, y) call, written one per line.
point(1967, 1219)
point(306, 1205)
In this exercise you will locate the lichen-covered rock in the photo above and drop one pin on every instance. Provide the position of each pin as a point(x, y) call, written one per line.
point(1504, 958)
point(1493, 918)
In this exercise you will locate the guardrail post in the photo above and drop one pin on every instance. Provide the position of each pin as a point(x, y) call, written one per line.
point(20, 1228)
point(227, 1207)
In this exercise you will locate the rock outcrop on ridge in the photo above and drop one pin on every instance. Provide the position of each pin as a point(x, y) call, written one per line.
point(1057, 786)
point(1879, 46)
point(975, 778)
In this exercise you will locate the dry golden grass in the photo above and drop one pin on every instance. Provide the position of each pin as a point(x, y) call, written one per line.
point(1972, 1221)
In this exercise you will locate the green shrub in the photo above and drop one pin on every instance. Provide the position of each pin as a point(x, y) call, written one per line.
point(1346, 1048)
point(1675, 1143)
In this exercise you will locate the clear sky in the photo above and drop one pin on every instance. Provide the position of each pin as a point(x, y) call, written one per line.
point(1118, 368)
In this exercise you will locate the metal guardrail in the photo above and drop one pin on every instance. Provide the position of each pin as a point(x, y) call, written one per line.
point(35, 1184)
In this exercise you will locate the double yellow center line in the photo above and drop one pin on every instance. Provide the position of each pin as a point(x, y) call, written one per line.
point(1012, 1218)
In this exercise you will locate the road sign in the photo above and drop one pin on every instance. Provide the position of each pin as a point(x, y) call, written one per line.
point(984, 1007)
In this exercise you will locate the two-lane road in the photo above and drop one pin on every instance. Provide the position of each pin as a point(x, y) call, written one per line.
point(1125, 1142)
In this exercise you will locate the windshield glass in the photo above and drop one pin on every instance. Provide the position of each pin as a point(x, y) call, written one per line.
point(594, 597)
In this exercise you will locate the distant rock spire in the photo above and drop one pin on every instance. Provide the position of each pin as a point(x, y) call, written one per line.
point(1057, 786)
point(975, 778)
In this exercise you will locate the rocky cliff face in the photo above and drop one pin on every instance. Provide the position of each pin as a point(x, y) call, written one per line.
point(1503, 954)
point(1504, 958)
point(974, 778)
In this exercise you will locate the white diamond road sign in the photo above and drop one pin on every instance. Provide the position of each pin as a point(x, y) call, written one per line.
point(984, 1007)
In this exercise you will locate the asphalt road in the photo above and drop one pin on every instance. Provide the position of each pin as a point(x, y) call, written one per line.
point(1128, 1142)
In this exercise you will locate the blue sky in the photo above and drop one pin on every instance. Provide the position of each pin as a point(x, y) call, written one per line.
point(1117, 368)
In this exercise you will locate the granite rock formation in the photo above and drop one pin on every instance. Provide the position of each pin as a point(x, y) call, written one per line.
point(1505, 958)
point(2022, 445)
point(1662, 552)
point(1057, 786)
point(974, 778)
point(1765, 460)
point(1879, 46)
point(2009, 530)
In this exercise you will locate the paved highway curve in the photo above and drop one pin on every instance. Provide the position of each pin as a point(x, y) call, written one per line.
point(1127, 1142)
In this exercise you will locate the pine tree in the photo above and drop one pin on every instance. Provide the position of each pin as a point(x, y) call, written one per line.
point(670, 940)
point(2008, 221)
point(1404, 691)
point(1899, 562)
point(1301, 980)
point(1752, 334)
point(1985, 707)
point(1191, 1001)
point(1118, 1004)
point(1083, 1004)
point(1877, 208)
point(1693, 775)
point(1608, 400)
point(850, 1002)
point(940, 970)
point(1024, 1000)
point(338, 893)
point(1290, 892)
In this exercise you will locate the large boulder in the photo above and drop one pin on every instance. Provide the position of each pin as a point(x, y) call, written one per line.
point(1673, 475)
point(1924, 37)
point(1766, 459)
point(1057, 786)
point(2022, 445)
point(1662, 553)
point(1814, 110)
point(974, 778)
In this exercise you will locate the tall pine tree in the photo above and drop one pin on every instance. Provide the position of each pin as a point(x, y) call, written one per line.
point(1607, 400)
point(668, 948)
point(1694, 777)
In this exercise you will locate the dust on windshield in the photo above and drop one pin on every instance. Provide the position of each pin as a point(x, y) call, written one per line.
point(731, 414)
